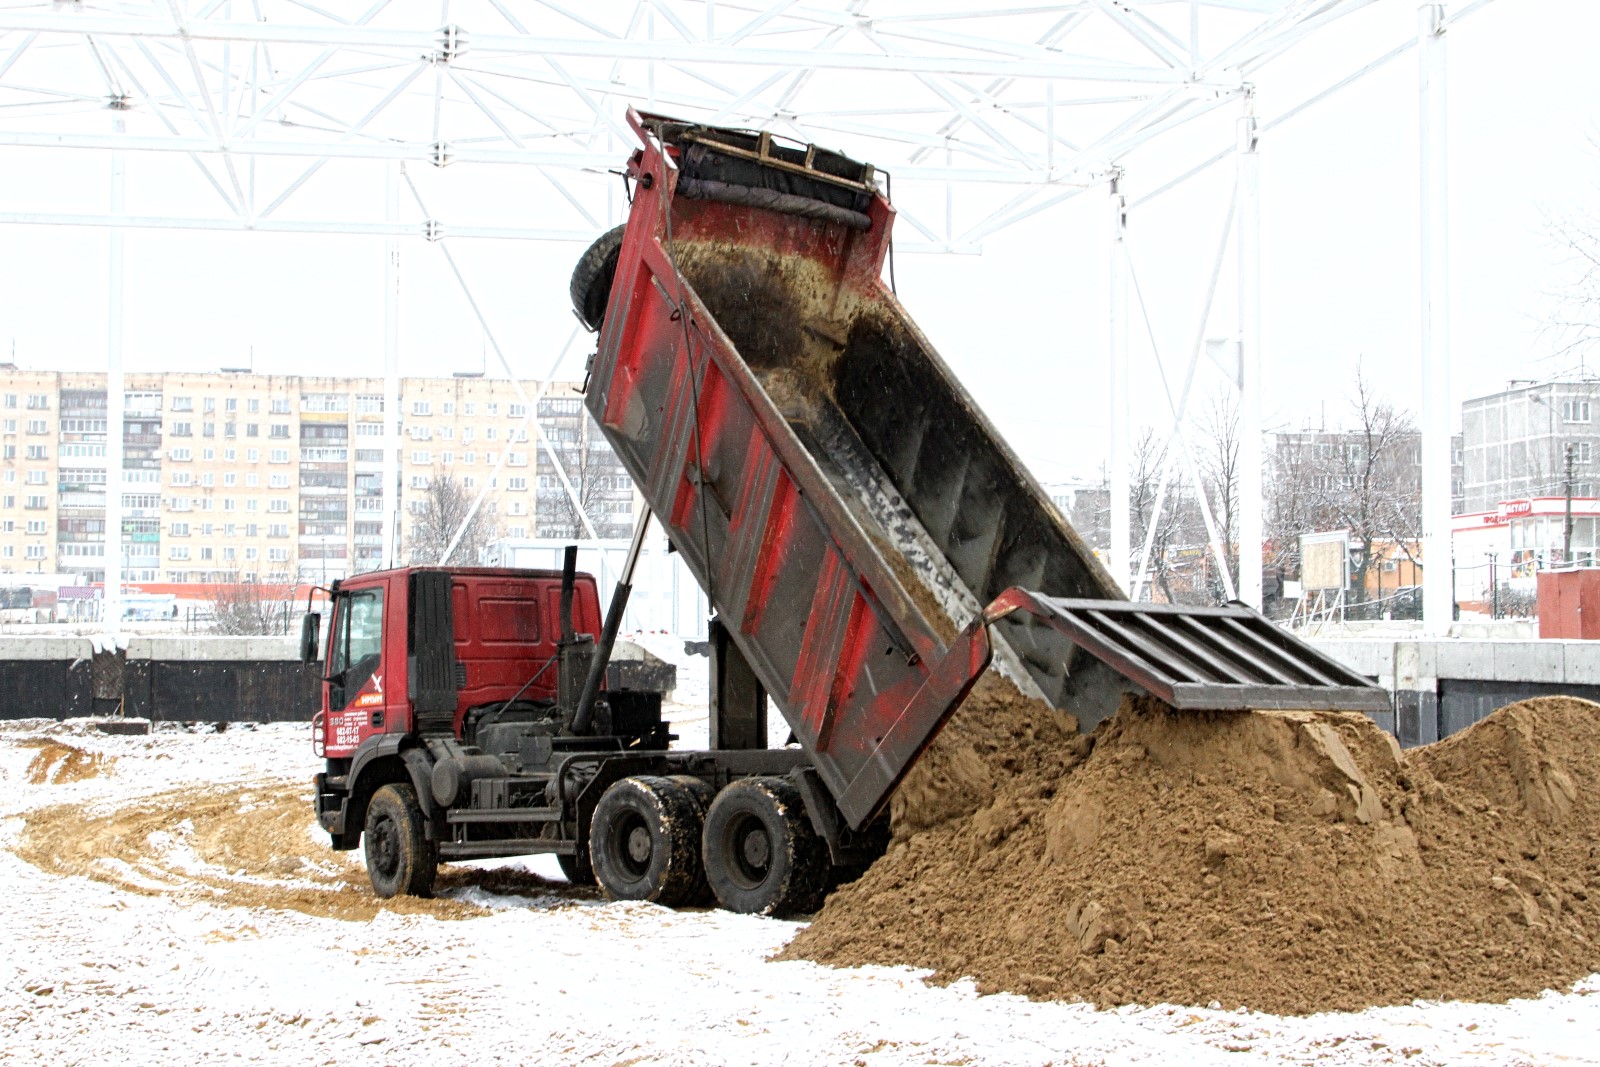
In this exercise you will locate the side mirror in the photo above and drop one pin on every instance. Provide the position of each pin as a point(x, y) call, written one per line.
point(310, 631)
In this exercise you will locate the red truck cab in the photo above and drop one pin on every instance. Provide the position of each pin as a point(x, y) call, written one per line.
point(506, 625)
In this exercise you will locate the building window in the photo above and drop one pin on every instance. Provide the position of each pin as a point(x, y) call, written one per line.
point(279, 430)
point(517, 485)
point(38, 401)
point(421, 407)
point(182, 478)
point(516, 411)
point(278, 504)
point(1574, 411)
point(252, 455)
point(38, 451)
point(38, 426)
point(422, 459)
point(279, 455)
point(419, 481)
point(178, 552)
point(280, 405)
point(181, 455)
point(278, 481)
point(421, 433)
point(368, 403)
point(183, 403)
point(1580, 451)
point(178, 529)
point(36, 552)
point(231, 404)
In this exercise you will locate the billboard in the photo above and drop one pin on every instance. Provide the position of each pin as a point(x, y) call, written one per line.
point(1325, 561)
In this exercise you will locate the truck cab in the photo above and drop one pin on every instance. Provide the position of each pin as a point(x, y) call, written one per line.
point(504, 626)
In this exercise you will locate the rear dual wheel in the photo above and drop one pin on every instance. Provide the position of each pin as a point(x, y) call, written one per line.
point(644, 842)
point(761, 854)
point(749, 848)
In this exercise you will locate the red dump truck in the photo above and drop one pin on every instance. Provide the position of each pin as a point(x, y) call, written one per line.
point(866, 538)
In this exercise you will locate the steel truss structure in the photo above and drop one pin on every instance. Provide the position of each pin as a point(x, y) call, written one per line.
point(981, 118)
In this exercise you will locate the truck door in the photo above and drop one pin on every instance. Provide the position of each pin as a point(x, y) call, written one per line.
point(355, 679)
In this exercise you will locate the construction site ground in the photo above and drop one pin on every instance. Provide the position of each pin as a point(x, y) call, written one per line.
point(167, 898)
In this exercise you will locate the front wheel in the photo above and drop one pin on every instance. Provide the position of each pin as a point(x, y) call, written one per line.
point(400, 858)
point(761, 854)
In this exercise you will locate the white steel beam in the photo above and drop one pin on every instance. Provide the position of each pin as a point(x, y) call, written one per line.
point(423, 42)
point(1121, 406)
point(390, 496)
point(111, 597)
point(1248, 216)
point(1438, 606)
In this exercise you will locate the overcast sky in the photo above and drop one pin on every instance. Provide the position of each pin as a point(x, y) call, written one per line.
point(1023, 324)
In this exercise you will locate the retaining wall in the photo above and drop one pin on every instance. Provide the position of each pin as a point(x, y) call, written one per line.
point(1443, 685)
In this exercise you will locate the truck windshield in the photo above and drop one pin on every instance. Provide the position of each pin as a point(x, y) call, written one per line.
point(357, 643)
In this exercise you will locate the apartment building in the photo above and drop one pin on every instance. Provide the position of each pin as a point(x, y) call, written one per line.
point(1516, 441)
point(232, 476)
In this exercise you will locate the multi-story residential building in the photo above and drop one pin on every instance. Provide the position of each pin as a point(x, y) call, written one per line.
point(231, 475)
point(1515, 442)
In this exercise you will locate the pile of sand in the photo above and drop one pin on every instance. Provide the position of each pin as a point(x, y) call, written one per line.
point(1286, 861)
point(59, 764)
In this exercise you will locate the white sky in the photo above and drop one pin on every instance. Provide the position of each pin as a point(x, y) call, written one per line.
point(1024, 324)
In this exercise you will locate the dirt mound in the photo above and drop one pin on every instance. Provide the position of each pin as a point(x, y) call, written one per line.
point(59, 764)
point(247, 847)
point(1286, 861)
point(995, 737)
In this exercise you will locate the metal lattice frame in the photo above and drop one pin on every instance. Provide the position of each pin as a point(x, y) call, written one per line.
point(983, 117)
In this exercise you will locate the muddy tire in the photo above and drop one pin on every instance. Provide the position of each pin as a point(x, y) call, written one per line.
point(644, 842)
point(703, 794)
point(591, 278)
point(401, 861)
point(578, 869)
point(761, 854)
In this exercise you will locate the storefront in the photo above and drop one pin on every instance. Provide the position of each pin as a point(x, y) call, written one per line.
point(1511, 544)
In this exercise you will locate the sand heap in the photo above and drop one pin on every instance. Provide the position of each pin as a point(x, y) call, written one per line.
point(1286, 861)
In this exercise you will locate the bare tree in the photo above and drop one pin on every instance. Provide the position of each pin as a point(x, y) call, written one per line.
point(438, 513)
point(252, 608)
point(1574, 321)
point(1366, 480)
point(597, 478)
point(1171, 527)
point(1217, 429)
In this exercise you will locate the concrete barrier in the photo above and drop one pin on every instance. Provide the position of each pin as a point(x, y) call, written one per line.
point(1442, 685)
point(201, 678)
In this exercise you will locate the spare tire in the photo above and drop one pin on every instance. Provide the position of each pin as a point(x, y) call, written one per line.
point(591, 278)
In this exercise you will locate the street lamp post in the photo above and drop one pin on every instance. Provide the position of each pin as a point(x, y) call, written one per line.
point(1494, 590)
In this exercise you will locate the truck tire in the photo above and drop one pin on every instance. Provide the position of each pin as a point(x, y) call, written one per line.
point(591, 278)
point(703, 794)
point(644, 842)
point(578, 869)
point(400, 858)
point(761, 854)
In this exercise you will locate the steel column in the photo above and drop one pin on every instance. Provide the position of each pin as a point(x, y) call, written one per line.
point(1121, 409)
point(1248, 218)
point(391, 369)
point(1437, 608)
point(111, 602)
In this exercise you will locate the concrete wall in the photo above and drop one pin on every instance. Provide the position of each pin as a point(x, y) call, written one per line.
point(1440, 686)
point(213, 679)
point(207, 679)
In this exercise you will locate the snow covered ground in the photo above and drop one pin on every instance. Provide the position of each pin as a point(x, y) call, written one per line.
point(150, 959)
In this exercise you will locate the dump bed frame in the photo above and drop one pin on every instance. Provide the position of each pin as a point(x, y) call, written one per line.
point(864, 534)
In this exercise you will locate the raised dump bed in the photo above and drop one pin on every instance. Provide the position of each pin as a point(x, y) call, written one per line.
point(848, 509)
